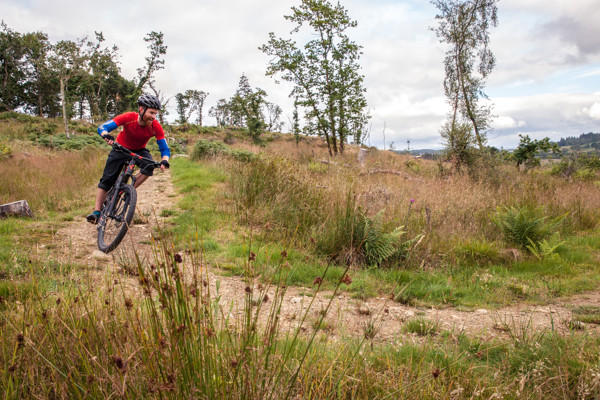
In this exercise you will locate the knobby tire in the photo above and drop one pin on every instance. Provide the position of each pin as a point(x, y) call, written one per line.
point(114, 223)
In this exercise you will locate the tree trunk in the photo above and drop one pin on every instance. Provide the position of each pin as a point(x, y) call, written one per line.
point(64, 106)
point(40, 103)
point(20, 207)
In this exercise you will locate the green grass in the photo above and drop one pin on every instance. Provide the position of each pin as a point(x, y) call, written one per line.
point(200, 213)
point(421, 326)
point(587, 314)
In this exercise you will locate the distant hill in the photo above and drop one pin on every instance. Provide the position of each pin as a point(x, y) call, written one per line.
point(586, 142)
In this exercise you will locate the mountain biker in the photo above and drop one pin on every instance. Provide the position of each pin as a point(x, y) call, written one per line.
point(138, 128)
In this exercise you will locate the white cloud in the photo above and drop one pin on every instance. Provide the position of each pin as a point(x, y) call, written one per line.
point(504, 122)
point(593, 111)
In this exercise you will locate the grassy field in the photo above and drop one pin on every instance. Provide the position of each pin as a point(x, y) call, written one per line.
point(403, 228)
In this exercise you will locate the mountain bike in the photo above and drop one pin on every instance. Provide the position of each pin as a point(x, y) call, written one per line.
point(119, 207)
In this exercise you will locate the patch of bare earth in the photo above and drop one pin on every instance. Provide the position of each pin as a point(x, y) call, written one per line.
point(76, 242)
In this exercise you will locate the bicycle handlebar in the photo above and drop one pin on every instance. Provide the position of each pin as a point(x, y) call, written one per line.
point(124, 149)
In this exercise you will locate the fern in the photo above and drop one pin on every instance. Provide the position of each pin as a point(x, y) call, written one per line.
point(523, 226)
point(379, 245)
point(544, 248)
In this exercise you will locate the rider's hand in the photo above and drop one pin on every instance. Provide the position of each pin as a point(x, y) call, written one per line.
point(108, 138)
point(164, 164)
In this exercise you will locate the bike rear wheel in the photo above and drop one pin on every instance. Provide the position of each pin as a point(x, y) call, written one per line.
point(113, 223)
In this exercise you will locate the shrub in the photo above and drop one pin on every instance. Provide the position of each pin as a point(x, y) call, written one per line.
point(242, 155)
point(17, 115)
point(206, 148)
point(523, 226)
point(45, 128)
point(474, 251)
point(62, 142)
point(352, 237)
point(5, 151)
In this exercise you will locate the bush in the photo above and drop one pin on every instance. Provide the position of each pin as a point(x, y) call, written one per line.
point(242, 155)
point(62, 142)
point(352, 237)
point(5, 151)
point(206, 148)
point(474, 251)
point(45, 128)
point(524, 226)
point(17, 115)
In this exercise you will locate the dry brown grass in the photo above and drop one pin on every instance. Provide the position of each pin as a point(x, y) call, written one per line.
point(446, 207)
point(51, 181)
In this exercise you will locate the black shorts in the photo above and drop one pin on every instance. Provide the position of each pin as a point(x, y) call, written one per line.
point(114, 165)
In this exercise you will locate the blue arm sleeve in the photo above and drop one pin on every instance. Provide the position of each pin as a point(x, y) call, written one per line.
point(107, 127)
point(164, 148)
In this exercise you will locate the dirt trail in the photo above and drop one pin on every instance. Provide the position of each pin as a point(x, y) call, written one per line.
point(76, 241)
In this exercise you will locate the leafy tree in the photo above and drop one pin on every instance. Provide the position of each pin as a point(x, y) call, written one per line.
point(67, 60)
point(527, 153)
point(183, 107)
point(460, 145)
point(464, 26)
point(197, 98)
point(220, 112)
point(103, 67)
point(41, 87)
point(273, 112)
point(325, 72)
point(12, 74)
point(240, 102)
point(189, 102)
point(154, 63)
point(296, 124)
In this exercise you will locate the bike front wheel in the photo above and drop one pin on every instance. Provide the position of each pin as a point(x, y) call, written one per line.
point(115, 221)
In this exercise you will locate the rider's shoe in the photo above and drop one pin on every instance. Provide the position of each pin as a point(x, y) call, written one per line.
point(93, 217)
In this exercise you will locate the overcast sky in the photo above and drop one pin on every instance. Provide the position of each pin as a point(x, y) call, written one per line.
point(546, 81)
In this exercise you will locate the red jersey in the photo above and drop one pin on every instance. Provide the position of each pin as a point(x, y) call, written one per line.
point(134, 136)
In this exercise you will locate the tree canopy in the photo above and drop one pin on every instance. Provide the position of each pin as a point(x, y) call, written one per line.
point(325, 71)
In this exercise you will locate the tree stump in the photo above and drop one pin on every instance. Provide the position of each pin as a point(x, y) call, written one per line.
point(20, 207)
point(362, 155)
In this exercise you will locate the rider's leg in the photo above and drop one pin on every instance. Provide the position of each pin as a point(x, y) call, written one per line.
point(100, 197)
point(139, 179)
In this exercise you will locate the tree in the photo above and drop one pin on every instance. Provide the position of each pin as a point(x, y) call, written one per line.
point(220, 112)
point(12, 75)
point(527, 152)
point(464, 26)
point(325, 72)
point(67, 61)
point(183, 108)
point(192, 101)
point(197, 98)
point(460, 144)
point(239, 105)
point(273, 117)
point(103, 67)
point(41, 87)
point(154, 62)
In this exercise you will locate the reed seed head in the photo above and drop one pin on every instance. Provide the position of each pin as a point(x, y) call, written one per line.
point(347, 279)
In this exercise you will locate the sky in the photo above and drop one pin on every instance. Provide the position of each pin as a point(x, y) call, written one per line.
point(546, 82)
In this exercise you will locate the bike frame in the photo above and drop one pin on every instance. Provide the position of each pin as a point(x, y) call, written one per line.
point(124, 177)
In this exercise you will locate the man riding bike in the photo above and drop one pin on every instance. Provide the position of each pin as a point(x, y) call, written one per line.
point(138, 128)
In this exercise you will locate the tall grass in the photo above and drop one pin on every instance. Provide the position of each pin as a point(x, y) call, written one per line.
point(51, 181)
point(285, 189)
point(166, 334)
point(169, 337)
